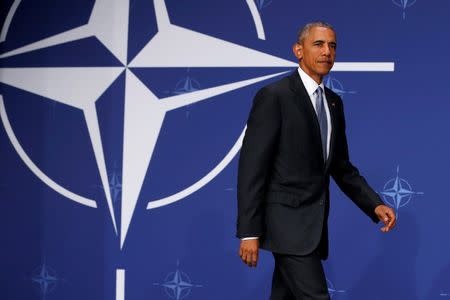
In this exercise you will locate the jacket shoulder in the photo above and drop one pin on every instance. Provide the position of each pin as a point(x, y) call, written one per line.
point(276, 88)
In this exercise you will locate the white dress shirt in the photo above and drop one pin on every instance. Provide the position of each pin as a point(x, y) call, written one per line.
point(311, 86)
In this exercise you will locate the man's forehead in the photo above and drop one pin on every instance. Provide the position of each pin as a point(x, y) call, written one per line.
point(321, 33)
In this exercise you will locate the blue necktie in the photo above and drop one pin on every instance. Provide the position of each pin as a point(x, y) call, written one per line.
point(322, 117)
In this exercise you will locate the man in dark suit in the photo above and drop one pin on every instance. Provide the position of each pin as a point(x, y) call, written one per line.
point(295, 140)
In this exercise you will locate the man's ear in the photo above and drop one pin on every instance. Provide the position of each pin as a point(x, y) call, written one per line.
point(298, 50)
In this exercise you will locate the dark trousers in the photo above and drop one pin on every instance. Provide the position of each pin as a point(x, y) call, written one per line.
point(299, 278)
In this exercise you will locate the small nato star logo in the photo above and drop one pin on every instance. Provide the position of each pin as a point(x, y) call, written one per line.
point(332, 290)
point(177, 285)
point(46, 279)
point(404, 4)
point(397, 192)
point(261, 4)
point(186, 85)
point(115, 185)
point(336, 86)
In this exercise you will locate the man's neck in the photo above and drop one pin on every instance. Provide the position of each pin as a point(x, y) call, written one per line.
point(315, 77)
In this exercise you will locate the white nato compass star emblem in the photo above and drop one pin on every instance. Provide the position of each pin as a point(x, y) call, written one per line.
point(80, 87)
point(177, 285)
point(397, 192)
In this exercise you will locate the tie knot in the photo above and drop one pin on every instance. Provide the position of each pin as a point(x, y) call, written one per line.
point(319, 91)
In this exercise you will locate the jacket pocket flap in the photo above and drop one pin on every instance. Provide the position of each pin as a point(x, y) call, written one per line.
point(288, 199)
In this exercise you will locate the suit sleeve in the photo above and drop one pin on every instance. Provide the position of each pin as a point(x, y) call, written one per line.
point(347, 176)
point(255, 163)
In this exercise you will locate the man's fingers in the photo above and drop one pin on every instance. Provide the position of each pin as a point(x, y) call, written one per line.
point(389, 220)
point(392, 218)
point(244, 257)
point(250, 257)
point(254, 258)
point(248, 251)
point(386, 217)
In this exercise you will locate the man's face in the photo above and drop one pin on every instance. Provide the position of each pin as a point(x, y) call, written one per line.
point(317, 52)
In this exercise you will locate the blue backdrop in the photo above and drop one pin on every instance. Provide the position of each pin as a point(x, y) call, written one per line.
point(121, 123)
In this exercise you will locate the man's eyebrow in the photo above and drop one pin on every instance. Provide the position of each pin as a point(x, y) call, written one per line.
point(323, 42)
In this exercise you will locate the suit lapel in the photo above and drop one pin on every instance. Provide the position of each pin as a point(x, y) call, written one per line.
point(305, 106)
point(331, 102)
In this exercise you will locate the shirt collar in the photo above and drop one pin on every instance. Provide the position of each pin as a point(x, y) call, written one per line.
point(309, 83)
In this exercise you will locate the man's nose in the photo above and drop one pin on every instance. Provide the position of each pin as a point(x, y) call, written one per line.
point(326, 50)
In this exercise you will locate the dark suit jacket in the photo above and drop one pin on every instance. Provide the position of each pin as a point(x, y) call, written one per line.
point(283, 181)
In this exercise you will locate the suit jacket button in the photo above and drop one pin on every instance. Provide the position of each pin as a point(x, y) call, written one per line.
point(321, 202)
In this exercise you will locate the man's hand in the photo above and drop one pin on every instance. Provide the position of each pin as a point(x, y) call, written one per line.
point(248, 251)
point(387, 216)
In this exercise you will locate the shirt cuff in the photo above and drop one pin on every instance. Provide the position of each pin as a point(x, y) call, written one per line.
point(250, 238)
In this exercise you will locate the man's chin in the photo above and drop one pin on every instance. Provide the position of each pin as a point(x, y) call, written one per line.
point(323, 74)
point(325, 71)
